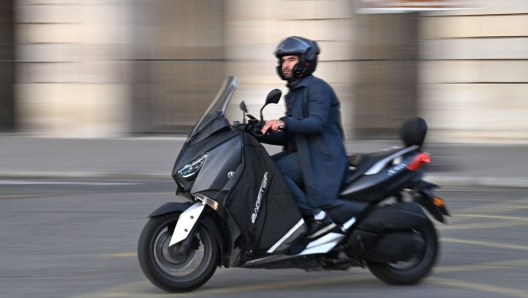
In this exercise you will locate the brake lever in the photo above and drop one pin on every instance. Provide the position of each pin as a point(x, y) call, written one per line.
point(257, 128)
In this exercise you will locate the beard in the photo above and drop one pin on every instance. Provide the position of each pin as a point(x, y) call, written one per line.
point(289, 75)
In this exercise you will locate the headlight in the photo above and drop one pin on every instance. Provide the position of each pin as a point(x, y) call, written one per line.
point(192, 168)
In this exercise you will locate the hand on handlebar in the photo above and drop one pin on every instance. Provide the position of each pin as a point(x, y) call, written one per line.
point(275, 125)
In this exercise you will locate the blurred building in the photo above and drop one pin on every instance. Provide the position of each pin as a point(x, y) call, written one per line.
point(474, 73)
point(103, 68)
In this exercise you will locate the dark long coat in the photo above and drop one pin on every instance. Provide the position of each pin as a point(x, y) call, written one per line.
point(313, 117)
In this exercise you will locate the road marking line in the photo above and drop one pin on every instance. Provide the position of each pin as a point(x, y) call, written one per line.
point(463, 217)
point(499, 265)
point(477, 287)
point(494, 217)
point(16, 182)
point(519, 207)
point(130, 290)
point(285, 284)
point(148, 193)
point(483, 243)
point(486, 225)
point(17, 196)
point(503, 206)
point(120, 255)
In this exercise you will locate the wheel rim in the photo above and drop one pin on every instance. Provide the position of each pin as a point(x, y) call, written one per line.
point(171, 263)
point(414, 261)
point(405, 265)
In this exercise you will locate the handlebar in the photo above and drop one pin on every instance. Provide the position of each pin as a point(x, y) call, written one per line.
point(254, 127)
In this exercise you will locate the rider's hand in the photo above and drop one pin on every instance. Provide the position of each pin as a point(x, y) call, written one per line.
point(273, 124)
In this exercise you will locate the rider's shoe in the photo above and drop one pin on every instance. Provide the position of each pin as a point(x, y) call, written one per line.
point(318, 228)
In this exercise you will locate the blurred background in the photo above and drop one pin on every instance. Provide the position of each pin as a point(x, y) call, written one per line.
point(112, 68)
point(96, 94)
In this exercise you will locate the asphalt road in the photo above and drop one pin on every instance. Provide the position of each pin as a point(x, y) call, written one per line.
point(78, 239)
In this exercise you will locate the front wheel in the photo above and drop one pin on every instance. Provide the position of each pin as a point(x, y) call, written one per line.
point(411, 271)
point(165, 267)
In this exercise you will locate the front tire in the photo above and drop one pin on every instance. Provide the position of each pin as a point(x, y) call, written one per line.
point(165, 267)
point(406, 273)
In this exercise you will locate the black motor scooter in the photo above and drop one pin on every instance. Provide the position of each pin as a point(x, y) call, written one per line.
point(240, 212)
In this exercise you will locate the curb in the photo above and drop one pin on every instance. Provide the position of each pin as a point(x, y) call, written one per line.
point(454, 181)
point(84, 175)
point(442, 181)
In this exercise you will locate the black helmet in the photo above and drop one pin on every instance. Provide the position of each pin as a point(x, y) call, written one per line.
point(306, 49)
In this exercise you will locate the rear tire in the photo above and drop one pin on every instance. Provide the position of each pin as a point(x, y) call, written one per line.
point(413, 271)
point(165, 267)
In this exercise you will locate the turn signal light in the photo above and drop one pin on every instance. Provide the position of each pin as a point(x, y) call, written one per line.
point(438, 202)
point(419, 161)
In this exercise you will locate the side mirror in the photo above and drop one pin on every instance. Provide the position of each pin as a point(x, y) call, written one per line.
point(243, 107)
point(273, 97)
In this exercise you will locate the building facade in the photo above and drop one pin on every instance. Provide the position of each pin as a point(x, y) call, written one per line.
point(93, 68)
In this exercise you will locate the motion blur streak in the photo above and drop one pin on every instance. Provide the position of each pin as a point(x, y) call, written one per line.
point(112, 68)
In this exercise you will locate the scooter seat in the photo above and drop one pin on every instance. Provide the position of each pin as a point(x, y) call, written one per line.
point(363, 162)
point(343, 210)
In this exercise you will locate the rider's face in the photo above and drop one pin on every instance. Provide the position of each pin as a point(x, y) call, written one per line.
point(287, 63)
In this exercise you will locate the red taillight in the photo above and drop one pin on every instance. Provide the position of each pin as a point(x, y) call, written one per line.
point(419, 161)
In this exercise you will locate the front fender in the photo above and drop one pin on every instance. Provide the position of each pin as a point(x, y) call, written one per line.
point(207, 221)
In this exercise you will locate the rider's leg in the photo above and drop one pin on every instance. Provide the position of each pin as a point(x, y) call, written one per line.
point(319, 222)
point(289, 165)
point(300, 197)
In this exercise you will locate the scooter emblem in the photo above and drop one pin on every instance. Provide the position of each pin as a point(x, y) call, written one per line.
point(231, 175)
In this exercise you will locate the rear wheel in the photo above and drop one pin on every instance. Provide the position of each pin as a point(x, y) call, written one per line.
point(411, 271)
point(165, 267)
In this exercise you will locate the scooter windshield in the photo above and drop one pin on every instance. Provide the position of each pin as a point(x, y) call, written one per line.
point(217, 108)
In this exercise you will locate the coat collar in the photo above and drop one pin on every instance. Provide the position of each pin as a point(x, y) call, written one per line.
point(299, 83)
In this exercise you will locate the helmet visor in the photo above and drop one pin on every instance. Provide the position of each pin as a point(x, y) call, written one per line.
point(292, 46)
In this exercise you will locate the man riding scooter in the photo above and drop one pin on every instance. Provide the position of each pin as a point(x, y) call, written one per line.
point(314, 162)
